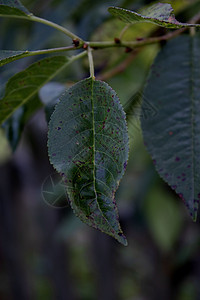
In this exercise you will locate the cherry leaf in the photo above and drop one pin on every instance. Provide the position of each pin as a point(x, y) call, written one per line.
point(161, 14)
point(88, 146)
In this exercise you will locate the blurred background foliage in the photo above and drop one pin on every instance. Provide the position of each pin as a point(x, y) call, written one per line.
point(46, 252)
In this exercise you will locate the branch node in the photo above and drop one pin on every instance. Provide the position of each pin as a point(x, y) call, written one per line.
point(76, 42)
point(139, 39)
point(117, 40)
point(85, 46)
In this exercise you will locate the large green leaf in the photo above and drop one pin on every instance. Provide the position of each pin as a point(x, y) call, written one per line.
point(24, 85)
point(172, 136)
point(7, 56)
point(161, 14)
point(12, 8)
point(88, 145)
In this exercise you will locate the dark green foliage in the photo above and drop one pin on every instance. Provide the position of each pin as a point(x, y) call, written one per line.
point(24, 85)
point(161, 14)
point(12, 8)
point(88, 146)
point(88, 140)
point(172, 136)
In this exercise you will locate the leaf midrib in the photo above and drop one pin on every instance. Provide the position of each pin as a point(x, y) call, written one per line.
point(94, 159)
point(93, 128)
point(192, 112)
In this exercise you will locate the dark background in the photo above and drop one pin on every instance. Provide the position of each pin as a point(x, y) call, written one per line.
point(46, 252)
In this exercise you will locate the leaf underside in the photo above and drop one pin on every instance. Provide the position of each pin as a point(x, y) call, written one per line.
point(7, 56)
point(12, 8)
point(172, 136)
point(161, 14)
point(88, 146)
point(24, 85)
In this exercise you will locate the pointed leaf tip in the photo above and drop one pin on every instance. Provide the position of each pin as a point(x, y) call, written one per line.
point(122, 240)
point(13, 8)
point(7, 56)
point(88, 146)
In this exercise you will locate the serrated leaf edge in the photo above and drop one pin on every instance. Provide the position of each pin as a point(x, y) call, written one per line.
point(123, 239)
point(155, 21)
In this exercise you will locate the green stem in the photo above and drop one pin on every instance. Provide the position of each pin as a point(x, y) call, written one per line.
point(97, 45)
point(46, 51)
point(146, 41)
point(91, 62)
point(108, 44)
point(48, 23)
point(56, 26)
point(52, 50)
point(134, 44)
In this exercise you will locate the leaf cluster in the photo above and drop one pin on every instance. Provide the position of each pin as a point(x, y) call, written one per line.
point(88, 135)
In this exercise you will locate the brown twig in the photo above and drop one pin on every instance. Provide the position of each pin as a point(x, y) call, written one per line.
point(145, 41)
point(151, 40)
point(119, 68)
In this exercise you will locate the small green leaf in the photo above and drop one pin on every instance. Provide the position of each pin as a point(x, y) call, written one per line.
point(24, 85)
point(172, 135)
point(7, 56)
point(161, 14)
point(88, 146)
point(12, 8)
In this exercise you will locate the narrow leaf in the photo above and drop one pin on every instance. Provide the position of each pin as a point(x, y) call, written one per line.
point(7, 56)
point(12, 8)
point(172, 136)
point(88, 145)
point(24, 85)
point(161, 14)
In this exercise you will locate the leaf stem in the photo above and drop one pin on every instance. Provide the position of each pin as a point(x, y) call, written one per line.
point(135, 44)
point(91, 62)
point(145, 41)
point(48, 23)
point(46, 51)
point(56, 26)
point(104, 44)
point(52, 50)
point(99, 44)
